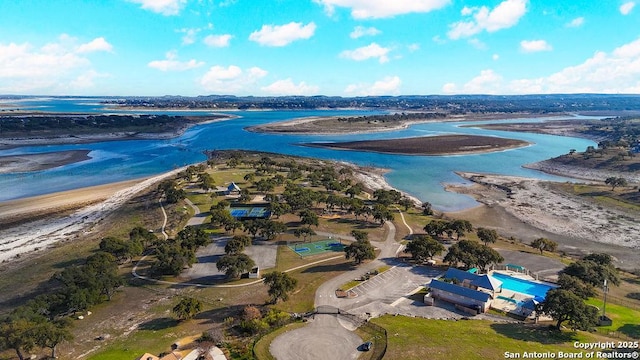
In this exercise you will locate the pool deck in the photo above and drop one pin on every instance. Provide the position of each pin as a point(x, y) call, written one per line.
point(513, 298)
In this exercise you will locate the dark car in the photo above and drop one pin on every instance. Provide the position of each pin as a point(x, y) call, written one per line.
point(366, 346)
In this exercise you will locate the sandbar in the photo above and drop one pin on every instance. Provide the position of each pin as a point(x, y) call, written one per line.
point(43, 161)
point(428, 145)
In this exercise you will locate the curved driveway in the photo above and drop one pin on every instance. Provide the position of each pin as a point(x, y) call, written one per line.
point(331, 337)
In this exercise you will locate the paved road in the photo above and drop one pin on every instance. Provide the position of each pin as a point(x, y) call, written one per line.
point(333, 335)
point(198, 217)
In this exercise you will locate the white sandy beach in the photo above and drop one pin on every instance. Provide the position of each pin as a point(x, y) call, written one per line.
point(38, 234)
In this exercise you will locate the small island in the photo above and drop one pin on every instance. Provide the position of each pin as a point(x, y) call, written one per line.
point(428, 145)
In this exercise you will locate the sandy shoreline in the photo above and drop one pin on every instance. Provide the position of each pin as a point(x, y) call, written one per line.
point(67, 214)
point(87, 207)
point(307, 125)
point(524, 205)
point(538, 205)
point(10, 143)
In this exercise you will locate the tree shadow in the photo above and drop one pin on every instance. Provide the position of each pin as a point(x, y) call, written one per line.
point(358, 224)
point(217, 316)
point(330, 268)
point(635, 296)
point(534, 333)
point(158, 324)
point(69, 263)
point(211, 258)
point(631, 330)
point(631, 280)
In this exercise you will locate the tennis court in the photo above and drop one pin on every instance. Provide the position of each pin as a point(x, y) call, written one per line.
point(254, 212)
point(317, 247)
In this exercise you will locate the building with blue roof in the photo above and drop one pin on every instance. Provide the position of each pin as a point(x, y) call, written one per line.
point(466, 289)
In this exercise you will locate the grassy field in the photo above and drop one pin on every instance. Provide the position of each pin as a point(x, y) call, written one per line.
point(626, 321)
point(416, 338)
point(625, 198)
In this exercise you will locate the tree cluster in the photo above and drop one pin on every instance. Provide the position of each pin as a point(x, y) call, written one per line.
point(361, 249)
point(544, 244)
point(472, 254)
point(43, 321)
point(438, 228)
point(424, 247)
point(578, 282)
point(173, 255)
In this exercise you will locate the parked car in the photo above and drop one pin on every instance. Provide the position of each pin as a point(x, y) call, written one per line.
point(367, 346)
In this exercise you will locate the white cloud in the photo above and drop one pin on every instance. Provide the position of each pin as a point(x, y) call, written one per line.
point(477, 44)
point(281, 35)
point(170, 63)
point(190, 34)
point(530, 46)
point(86, 80)
point(388, 86)
point(449, 88)
point(231, 79)
point(372, 50)
point(614, 72)
point(487, 82)
point(626, 8)
point(577, 22)
point(360, 31)
point(288, 87)
point(438, 40)
point(413, 47)
point(503, 16)
point(495, 57)
point(97, 44)
point(375, 9)
point(164, 7)
point(218, 40)
point(55, 68)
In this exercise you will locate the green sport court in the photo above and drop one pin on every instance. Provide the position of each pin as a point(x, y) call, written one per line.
point(317, 247)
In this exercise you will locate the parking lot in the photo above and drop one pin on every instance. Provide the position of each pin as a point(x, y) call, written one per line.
point(205, 270)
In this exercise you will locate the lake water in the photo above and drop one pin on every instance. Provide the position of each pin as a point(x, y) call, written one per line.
point(420, 176)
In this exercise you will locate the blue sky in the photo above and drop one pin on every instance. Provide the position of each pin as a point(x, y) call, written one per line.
point(312, 47)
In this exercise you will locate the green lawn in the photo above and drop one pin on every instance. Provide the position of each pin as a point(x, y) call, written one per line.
point(416, 338)
point(625, 320)
point(155, 337)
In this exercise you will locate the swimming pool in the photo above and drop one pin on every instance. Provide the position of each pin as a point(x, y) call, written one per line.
point(537, 290)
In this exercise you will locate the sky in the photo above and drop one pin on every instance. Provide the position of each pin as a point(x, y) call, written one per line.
point(318, 47)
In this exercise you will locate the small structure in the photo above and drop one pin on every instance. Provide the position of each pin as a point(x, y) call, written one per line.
point(460, 295)
point(466, 289)
point(148, 356)
point(214, 353)
point(233, 189)
point(529, 307)
point(254, 273)
point(172, 356)
point(474, 281)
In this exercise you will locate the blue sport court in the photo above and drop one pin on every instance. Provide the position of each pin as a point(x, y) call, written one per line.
point(254, 212)
point(317, 247)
